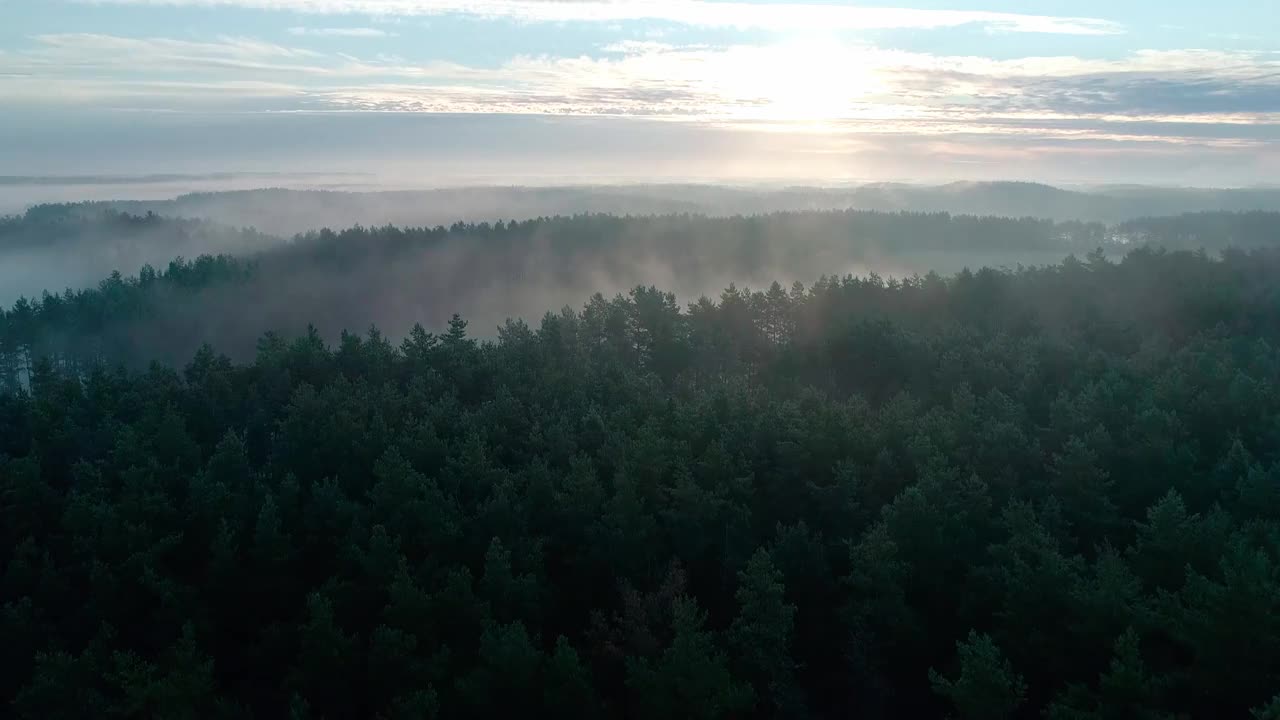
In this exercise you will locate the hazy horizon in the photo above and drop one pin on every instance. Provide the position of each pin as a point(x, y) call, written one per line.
point(20, 192)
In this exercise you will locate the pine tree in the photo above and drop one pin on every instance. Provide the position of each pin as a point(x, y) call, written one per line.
point(760, 636)
point(986, 687)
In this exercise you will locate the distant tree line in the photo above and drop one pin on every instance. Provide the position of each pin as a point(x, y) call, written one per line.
point(286, 212)
point(57, 247)
point(1049, 492)
point(1210, 230)
point(74, 227)
point(393, 277)
point(122, 321)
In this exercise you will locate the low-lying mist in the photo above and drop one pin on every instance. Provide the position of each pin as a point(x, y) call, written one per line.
point(58, 247)
point(75, 245)
point(393, 278)
point(286, 212)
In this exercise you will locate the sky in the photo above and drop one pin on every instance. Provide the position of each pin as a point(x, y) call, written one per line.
point(434, 92)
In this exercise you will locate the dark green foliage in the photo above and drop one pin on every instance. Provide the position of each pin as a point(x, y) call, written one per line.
point(1268, 711)
point(760, 637)
point(986, 687)
point(1040, 493)
point(690, 678)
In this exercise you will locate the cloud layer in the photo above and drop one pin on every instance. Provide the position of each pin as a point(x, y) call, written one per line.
point(808, 77)
point(702, 13)
point(1156, 96)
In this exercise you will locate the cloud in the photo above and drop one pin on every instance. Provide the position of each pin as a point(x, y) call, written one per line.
point(703, 13)
point(1145, 85)
point(355, 32)
point(76, 53)
point(1177, 98)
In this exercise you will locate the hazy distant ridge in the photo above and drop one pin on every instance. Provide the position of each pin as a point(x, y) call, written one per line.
point(285, 212)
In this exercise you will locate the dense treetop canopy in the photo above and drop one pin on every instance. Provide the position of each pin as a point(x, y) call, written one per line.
point(1039, 492)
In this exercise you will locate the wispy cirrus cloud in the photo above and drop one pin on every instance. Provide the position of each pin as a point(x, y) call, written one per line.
point(702, 13)
point(81, 53)
point(341, 32)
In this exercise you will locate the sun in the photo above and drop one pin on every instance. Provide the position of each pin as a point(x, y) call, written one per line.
point(806, 79)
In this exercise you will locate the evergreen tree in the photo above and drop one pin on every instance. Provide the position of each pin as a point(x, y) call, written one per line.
point(985, 686)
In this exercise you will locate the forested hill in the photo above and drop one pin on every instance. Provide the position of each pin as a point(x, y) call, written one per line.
point(1046, 493)
point(393, 277)
point(285, 212)
point(76, 229)
point(53, 247)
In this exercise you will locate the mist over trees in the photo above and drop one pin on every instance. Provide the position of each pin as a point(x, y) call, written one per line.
point(810, 464)
point(287, 212)
point(394, 277)
point(53, 247)
point(1049, 492)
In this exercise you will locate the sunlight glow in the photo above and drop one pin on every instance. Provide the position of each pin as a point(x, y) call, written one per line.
point(810, 78)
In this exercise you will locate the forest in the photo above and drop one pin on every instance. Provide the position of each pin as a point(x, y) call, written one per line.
point(393, 277)
point(1049, 491)
point(56, 247)
point(286, 212)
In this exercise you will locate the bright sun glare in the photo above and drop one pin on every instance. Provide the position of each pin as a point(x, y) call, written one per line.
point(806, 79)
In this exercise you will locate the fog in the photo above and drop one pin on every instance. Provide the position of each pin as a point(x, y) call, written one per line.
point(393, 278)
point(285, 211)
point(19, 192)
point(56, 248)
point(421, 256)
point(36, 255)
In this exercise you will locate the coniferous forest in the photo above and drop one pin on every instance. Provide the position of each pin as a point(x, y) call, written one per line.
point(1040, 492)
